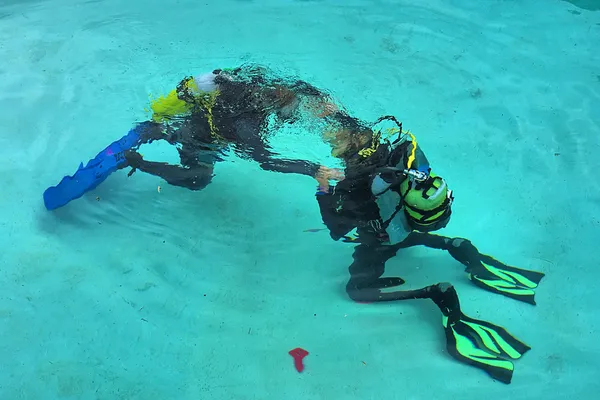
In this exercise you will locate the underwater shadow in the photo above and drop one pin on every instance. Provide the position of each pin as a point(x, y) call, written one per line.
point(589, 5)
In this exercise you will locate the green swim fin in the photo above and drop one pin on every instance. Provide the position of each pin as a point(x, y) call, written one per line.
point(498, 277)
point(493, 275)
point(475, 342)
point(483, 345)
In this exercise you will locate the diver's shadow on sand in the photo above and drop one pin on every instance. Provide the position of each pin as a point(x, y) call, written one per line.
point(424, 310)
point(53, 221)
point(83, 212)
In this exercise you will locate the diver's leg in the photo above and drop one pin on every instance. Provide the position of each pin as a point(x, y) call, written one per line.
point(366, 283)
point(369, 265)
point(475, 342)
point(471, 341)
point(484, 271)
point(428, 240)
point(366, 271)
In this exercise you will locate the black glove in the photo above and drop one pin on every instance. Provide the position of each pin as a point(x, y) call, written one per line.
point(134, 160)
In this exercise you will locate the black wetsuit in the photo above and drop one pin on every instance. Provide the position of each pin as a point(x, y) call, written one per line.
point(240, 119)
point(351, 205)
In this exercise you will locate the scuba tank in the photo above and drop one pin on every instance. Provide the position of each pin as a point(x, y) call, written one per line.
point(385, 185)
point(408, 195)
point(391, 212)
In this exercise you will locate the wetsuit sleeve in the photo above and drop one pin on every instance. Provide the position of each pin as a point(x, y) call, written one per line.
point(194, 178)
point(287, 166)
point(253, 145)
point(267, 161)
point(339, 224)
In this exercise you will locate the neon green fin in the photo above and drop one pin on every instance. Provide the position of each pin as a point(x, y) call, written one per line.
point(484, 345)
point(498, 277)
point(474, 342)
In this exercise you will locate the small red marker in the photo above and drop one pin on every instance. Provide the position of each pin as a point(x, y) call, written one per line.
point(298, 355)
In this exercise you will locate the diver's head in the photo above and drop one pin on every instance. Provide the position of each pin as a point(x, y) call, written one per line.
point(346, 142)
point(427, 202)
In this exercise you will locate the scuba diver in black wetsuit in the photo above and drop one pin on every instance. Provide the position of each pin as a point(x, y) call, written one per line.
point(387, 191)
point(393, 200)
point(210, 112)
point(205, 116)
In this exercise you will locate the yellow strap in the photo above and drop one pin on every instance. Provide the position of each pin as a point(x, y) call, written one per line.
point(412, 156)
point(374, 145)
point(207, 101)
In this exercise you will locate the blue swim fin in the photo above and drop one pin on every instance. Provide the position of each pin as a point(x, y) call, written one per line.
point(93, 173)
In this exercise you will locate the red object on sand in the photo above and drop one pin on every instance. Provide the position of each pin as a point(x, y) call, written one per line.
point(298, 355)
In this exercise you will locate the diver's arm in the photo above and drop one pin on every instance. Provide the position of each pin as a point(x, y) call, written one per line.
point(337, 222)
point(290, 166)
point(260, 152)
point(349, 206)
point(194, 178)
point(483, 270)
point(319, 172)
point(267, 161)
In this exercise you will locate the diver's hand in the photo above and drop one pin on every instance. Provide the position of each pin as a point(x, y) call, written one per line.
point(133, 158)
point(324, 175)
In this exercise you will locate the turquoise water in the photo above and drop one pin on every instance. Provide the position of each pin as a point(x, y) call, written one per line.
point(128, 293)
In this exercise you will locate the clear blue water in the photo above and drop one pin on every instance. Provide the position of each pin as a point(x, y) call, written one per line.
point(185, 295)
